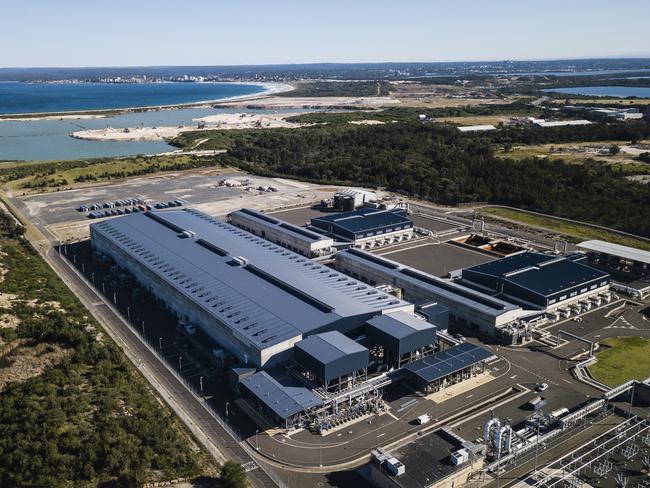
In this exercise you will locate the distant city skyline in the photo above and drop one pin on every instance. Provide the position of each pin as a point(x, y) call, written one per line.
point(70, 33)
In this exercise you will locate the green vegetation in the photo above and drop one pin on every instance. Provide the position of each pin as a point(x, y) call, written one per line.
point(628, 358)
point(233, 475)
point(58, 174)
point(87, 419)
point(575, 230)
point(409, 114)
point(339, 89)
point(438, 163)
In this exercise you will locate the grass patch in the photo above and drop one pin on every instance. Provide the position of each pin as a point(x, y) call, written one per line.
point(576, 231)
point(628, 358)
point(57, 175)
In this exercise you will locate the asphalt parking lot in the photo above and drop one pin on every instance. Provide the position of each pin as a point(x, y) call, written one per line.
point(436, 259)
point(197, 188)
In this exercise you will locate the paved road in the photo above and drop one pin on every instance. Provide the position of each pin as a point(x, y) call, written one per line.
point(188, 408)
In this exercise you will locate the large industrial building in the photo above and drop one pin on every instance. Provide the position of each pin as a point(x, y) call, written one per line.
point(367, 227)
point(326, 344)
point(255, 298)
point(298, 239)
point(490, 315)
point(498, 298)
point(538, 281)
point(618, 258)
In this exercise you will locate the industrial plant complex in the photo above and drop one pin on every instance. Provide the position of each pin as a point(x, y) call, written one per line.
point(335, 323)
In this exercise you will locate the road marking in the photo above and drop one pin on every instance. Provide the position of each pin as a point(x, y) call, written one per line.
point(383, 433)
point(567, 381)
point(470, 396)
point(513, 376)
point(392, 415)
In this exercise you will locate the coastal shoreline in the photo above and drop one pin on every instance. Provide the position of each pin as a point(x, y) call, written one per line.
point(268, 90)
point(224, 121)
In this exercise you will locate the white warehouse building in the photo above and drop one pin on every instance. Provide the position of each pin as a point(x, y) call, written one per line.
point(293, 237)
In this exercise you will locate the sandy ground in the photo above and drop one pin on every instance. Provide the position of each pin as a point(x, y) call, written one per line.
point(278, 103)
point(367, 122)
point(218, 121)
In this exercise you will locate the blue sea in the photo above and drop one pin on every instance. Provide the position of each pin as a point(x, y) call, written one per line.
point(17, 97)
point(27, 140)
point(605, 91)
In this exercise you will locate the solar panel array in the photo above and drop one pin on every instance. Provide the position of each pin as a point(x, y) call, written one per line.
point(444, 363)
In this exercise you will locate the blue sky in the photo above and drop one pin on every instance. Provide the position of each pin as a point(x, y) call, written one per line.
point(217, 32)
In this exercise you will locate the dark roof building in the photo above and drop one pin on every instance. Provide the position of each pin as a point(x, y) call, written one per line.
point(331, 355)
point(400, 334)
point(253, 297)
point(363, 223)
point(536, 279)
point(282, 402)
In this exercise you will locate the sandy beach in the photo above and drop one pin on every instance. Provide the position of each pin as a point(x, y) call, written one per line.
point(217, 121)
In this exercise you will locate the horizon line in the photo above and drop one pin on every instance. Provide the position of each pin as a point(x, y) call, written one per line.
point(521, 60)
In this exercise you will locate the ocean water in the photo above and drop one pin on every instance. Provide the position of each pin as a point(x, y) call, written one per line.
point(28, 140)
point(50, 139)
point(605, 91)
point(17, 97)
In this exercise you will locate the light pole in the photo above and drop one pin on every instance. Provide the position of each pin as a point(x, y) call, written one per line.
point(143, 327)
point(103, 288)
point(201, 386)
point(227, 408)
point(83, 267)
point(257, 444)
point(160, 343)
point(115, 297)
point(93, 277)
point(180, 363)
point(128, 313)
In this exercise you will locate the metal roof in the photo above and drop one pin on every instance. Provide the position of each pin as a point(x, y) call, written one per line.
point(401, 332)
point(330, 355)
point(443, 363)
point(539, 273)
point(364, 219)
point(439, 286)
point(612, 249)
point(400, 324)
point(294, 230)
point(329, 346)
point(284, 401)
point(263, 292)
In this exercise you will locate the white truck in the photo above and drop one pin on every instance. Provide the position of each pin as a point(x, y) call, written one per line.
point(423, 419)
